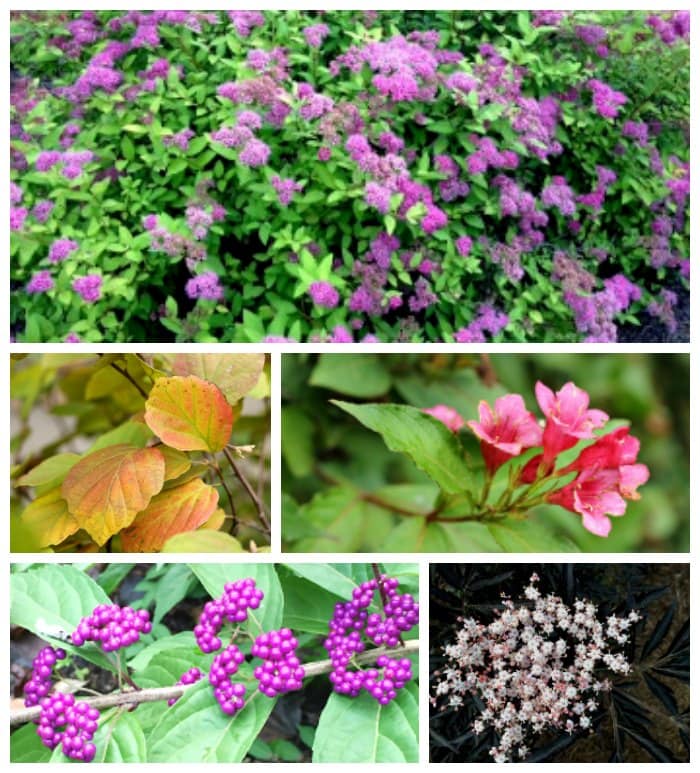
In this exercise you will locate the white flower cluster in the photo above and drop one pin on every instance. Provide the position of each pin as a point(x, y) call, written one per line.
point(534, 667)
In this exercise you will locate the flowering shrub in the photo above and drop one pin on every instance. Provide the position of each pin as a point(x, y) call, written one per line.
point(347, 176)
point(476, 453)
point(587, 665)
point(534, 667)
point(191, 696)
point(145, 459)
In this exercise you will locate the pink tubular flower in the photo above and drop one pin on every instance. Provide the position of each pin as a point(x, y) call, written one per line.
point(506, 431)
point(594, 495)
point(568, 418)
point(609, 451)
point(448, 416)
point(631, 477)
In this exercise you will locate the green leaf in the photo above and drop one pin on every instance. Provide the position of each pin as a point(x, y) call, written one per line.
point(52, 470)
point(269, 616)
point(195, 730)
point(417, 535)
point(307, 607)
point(50, 600)
point(378, 733)
point(326, 576)
point(26, 746)
point(357, 375)
point(433, 448)
point(133, 433)
point(120, 739)
point(297, 441)
point(528, 537)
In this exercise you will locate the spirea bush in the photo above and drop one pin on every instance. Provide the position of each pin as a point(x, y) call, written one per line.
point(205, 695)
point(348, 176)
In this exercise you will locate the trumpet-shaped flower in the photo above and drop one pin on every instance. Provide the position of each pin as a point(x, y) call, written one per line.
point(505, 431)
point(447, 415)
point(568, 418)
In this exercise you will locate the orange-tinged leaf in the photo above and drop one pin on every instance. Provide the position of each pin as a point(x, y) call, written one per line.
point(106, 489)
point(189, 414)
point(176, 463)
point(48, 519)
point(177, 510)
point(234, 374)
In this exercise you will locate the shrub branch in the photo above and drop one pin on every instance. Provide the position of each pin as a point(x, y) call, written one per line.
point(134, 698)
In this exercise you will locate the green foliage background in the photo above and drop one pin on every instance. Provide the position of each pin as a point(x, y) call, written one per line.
point(327, 453)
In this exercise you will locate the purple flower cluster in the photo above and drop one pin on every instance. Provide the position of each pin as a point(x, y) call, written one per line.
point(673, 29)
point(487, 156)
point(594, 314)
point(246, 21)
point(663, 307)
point(286, 188)
point(205, 286)
point(406, 68)
point(40, 282)
point(315, 34)
point(179, 140)
point(228, 694)
point(487, 320)
point(61, 249)
point(40, 684)
point(88, 287)
point(190, 676)
point(233, 605)
point(17, 217)
point(71, 161)
point(547, 18)
point(73, 725)
point(351, 621)
point(281, 671)
point(324, 294)
point(636, 130)
point(606, 101)
point(591, 34)
point(558, 194)
point(464, 245)
point(42, 210)
point(112, 627)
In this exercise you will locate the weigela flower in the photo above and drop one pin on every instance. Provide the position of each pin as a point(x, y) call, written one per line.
point(568, 418)
point(447, 415)
point(505, 431)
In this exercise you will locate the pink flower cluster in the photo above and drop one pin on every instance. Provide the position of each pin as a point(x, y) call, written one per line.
point(536, 667)
point(607, 473)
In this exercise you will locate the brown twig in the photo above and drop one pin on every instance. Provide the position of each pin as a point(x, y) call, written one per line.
point(262, 515)
point(130, 379)
point(486, 372)
point(229, 493)
point(22, 716)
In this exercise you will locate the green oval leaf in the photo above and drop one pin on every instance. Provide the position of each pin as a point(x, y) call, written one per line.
point(432, 447)
point(357, 375)
point(50, 600)
point(360, 730)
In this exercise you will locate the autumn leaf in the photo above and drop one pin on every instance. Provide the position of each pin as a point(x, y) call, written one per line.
point(189, 414)
point(234, 374)
point(177, 510)
point(48, 519)
point(176, 463)
point(106, 489)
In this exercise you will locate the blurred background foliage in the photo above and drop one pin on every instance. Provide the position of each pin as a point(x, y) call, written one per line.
point(324, 449)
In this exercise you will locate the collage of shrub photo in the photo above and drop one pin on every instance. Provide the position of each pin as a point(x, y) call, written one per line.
point(377, 324)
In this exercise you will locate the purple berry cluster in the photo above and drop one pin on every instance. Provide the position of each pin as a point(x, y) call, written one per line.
point(73, 725)
point(281, 670)
point(351, 622)
point(190, 676)
point(233, 606)
point(382, 686)
point(228, 694)
point(39, 685)
point(400, 614)
point(112, 627)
